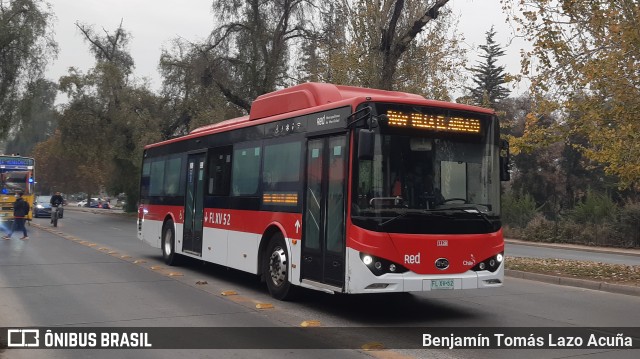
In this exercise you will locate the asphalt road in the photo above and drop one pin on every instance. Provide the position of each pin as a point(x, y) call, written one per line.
point(50, 280)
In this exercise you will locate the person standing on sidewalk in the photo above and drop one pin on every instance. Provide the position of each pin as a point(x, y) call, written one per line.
point(20, 210)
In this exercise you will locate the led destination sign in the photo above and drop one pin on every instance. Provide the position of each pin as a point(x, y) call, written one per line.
point(15, 163)
point(433, 122)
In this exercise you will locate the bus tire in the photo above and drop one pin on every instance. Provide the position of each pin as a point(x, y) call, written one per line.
point(169, 244)
point(276, 268)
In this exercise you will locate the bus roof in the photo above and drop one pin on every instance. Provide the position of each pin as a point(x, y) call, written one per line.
point(314, 97)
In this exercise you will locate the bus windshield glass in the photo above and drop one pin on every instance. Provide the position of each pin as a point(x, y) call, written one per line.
point(432, 172)
point(13, 182)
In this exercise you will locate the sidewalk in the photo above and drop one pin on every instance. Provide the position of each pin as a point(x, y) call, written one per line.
point(578, 247)
point(576, 282)
point(113, 211)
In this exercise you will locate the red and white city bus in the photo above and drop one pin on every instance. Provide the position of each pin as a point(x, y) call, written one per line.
point(335, 188)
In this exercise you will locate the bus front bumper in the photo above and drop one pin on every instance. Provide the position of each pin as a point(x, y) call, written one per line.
point(361, 280)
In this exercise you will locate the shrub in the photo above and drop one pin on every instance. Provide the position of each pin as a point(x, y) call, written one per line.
point(540, 229)
point(596, 208)
point(629, 223)
point(517, 210)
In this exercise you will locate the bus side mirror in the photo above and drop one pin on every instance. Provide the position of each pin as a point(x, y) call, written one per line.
point(505, 175)
point(366, 141)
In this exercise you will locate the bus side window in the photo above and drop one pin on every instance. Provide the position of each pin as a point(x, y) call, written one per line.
point(245, 170)
point(156, 184)
point(144, 179)
point(219, 181)
point(172, 176)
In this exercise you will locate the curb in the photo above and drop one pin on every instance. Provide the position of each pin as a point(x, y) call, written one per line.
point(575, 282)
point(108, 212)
point(577, 247)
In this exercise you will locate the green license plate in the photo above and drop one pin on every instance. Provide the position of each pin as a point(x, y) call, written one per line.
point(442, 284)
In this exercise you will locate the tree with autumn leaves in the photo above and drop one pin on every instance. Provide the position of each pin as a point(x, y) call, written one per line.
point(584, 66)
point(581, 130)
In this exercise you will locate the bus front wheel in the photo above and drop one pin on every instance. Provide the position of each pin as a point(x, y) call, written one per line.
point(168, 244)
point(276, 268)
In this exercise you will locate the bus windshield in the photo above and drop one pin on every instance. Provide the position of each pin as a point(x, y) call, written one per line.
point(438, 178)
point(13, 182)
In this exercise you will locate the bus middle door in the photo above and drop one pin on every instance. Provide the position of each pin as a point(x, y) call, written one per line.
point(323, 244)
point(193, 205)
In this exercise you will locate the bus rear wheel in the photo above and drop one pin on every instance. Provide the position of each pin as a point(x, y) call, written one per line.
point(169, 244)
point(276, 268)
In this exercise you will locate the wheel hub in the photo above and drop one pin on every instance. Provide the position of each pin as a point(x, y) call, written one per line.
point(167, 243)
point(278, 266)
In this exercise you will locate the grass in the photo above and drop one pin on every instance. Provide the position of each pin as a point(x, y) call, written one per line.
point(602, 272)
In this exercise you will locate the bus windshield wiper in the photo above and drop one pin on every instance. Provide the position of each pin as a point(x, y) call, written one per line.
point(471, 210)
point(404, 214)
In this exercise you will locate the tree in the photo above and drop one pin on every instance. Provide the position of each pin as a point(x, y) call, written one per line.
point(189, 97)
point(109, 117)
point(489, 78)
point(58, 169)
point(549, 165)
point(536, 170)
point(586, 60)
point(35, 117)
point(390, 45)
point(25, 44)
point(248, 55)
point(400, 26)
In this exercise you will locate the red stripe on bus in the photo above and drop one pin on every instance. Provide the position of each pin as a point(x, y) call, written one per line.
point(234, 220)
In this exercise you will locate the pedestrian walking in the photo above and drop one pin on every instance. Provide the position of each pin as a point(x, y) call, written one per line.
point(20, 210)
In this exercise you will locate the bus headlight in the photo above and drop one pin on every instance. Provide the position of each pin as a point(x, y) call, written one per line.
point(491, 264)
point(380, 266)
point(367, 260)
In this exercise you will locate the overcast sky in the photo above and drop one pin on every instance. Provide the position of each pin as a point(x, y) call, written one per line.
point(153, 23)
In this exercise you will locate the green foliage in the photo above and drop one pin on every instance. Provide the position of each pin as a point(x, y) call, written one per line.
point(517, 210)
point(489, 78)
point(36, 117)
point(597, 208)
point(596, 220)
point(26, 43)
point(629, 222)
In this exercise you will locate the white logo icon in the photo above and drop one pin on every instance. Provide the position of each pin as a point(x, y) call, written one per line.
point(21, 337)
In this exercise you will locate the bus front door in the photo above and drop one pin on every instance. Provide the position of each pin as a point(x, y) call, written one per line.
point(323, 244)
point(193, 205)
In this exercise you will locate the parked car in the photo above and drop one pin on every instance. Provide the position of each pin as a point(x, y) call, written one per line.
point(95, 203)
point(42, 207)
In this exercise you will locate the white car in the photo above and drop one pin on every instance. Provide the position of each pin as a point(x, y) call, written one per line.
point(94, 203)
